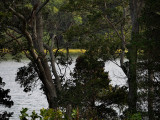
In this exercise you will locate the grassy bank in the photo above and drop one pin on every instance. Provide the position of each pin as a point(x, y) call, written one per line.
point(8, 56)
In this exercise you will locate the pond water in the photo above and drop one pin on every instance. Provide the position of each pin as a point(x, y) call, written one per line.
point(36, 100)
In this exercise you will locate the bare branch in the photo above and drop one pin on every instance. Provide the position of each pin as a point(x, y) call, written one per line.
point(19, 43)
point(113, 61)
point(113, 26)
point(14, 29)
point(13, 39)
point(18, 14)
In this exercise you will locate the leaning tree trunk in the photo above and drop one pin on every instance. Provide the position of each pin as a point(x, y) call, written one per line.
point(41, 60)
point(43, 68)
point(36, 49)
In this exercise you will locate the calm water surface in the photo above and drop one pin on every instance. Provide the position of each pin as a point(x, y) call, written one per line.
point(36, 100)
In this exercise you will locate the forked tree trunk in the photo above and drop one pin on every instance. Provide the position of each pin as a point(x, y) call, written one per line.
point(36, 49)
point(41, 60)
point(54, 71)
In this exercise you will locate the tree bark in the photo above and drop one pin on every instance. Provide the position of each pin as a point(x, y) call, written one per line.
point(150, 94)
point(54, 71)
point(135, 11)
point(123, 44)
point(69, 111)
point(132, 51)
point(41, 60)
point(57, 79)
point(36, 49)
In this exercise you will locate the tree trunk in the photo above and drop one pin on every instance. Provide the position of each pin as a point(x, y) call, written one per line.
point(36, 49)
point(41, 60)
point(69, 111)
point(150, 94)
point(48, 83)
point(123, 44)
point(132, 51)
point(54, 71)
point(132, 95)
point(135, 11)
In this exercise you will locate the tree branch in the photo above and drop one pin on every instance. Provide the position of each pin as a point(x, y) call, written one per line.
point(39, 9)
point(46, 46)
point(113, 26)
point(12, 40)
point(18, 14)
point(19, 43)
point(54, 71)
point(14, 29)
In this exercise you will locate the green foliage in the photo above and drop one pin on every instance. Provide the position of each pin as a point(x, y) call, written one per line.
point(55, 10)
point(90, 84)
point(149, 59)
point(51, 114)
point(29, 5)
point(5, 100)
point(82, 24)
point(74, 113)
point(150, 27)
point(78, 19)
point(45, 114)
point(89, 77)
point(27, 77)
point(136, 116)
point(95, 27)
point(34, 115)
point(23, 115)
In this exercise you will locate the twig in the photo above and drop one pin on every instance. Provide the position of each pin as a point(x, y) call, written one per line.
point(39, 9)
point(113, 26)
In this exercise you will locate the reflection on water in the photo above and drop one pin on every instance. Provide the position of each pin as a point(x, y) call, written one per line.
point(36, 100)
